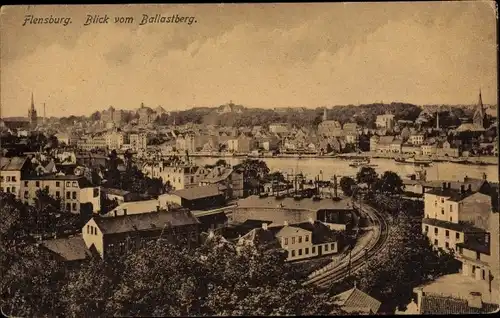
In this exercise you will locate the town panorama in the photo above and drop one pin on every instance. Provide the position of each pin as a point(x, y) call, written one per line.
point(375, 208)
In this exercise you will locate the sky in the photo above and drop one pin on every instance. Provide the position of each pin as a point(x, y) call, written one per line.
point(257, 55)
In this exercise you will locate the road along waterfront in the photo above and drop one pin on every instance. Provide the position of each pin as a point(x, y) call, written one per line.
point(326, 168)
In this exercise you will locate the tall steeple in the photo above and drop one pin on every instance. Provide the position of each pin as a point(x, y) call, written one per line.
point(479, 115)
point(32, 113)
point(325, 115)
point(437, 119)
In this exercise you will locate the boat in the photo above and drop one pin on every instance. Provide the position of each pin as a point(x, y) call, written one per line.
point(360, 163)
point(459, 160)
point(413, 161)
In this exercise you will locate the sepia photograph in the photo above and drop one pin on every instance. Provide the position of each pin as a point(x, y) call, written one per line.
point(251, 159)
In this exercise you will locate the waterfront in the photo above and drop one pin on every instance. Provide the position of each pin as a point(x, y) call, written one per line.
point(327, 167)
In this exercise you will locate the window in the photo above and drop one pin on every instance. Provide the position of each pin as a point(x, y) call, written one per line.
point(457, 236)
point(435, 203)
point(331, 246)
point(68, 184)
point(300, 251)
point(447, 245)
point(58, 194)
point(447, 233)
point(286, 240)
point(314, 249)
point(435, 242)
point(307, 251)
point(96, 192)
point(58, 184)
point(26, 194)
point(74, 195)
point(8, 178)
point(326, 247)
point(68, 195)
point(1, 178)
point(307, 238)
point(484, 274)
point(75, 184)
point(442, 210)
point(25, 183)
point(68, 206)
point(13, 179)
point(478, 255)
point(37, 184)
point(88, 229)
point(74, 206)
point(435, 230)
point(300, 239)
point(473, 269)
point(426, 228)
point(192, 179)
point(13, 189)
point(451, 208)
point(293, 240)
point(293, 253)
point(451, 219)
point(442, 200)
point(8, 189)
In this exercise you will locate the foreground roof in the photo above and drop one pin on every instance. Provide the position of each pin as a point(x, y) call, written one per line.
point(436, 304)
point(354, 300)
point(69, 248)
point(145, 221)
point(12, 164)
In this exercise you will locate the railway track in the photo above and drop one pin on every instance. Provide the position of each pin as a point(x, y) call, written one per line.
point(359, 259)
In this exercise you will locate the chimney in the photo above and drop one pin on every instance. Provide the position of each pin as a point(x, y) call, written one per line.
point(449, 185)
point(311, 221)
point(469, 188)
point(286, 223)
point(474, 300)
point(420, 295)
point(264, 226)
point(462, 189)
point(444, 186)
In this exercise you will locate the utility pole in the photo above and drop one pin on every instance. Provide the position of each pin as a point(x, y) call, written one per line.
point(350, 254)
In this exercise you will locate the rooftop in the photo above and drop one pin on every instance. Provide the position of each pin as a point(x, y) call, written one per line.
point(12, 164)
point(451, 194)
point(437, 304)
point(69, 248)
point(82, 181)
point(356, 301)
point(145, 221)
point(199, 192)
point(115, 191)
point(255, 201)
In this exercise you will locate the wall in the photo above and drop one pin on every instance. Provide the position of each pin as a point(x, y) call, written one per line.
point(476, 209)
point(93, 196)
point(96, 239)
point(5, 184)
point(452, 238)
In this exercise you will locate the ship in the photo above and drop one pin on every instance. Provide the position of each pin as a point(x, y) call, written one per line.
point(361, 163)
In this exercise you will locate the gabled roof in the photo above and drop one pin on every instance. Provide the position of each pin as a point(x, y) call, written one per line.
point(435, 304)
point(354, 300)
point(12, 164)
point(145, 221)
point(69, 248)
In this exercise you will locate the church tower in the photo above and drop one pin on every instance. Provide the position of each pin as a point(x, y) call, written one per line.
point(32, 113)
point(325, 115)
point(479, 114)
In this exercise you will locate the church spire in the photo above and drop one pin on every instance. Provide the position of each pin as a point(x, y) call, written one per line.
point(480, 103)
point(32, 102)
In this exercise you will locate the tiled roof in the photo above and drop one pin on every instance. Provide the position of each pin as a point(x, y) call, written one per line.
point(115, 191)
point(145, 221)
point(199, 192)
point(71, 248)
point(354, 300)
point(458, 227)
point(82, 181)
point(475, 184)
point(451, 194)
point(12, 164)
point(434, 304)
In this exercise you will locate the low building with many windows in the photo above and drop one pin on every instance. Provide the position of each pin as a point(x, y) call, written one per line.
point(119, 234)
point(300, 241)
